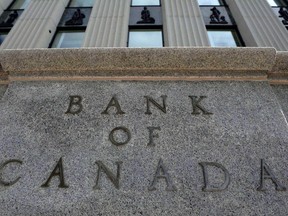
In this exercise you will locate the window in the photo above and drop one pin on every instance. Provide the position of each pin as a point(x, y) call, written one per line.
point(19, 4)
point(145, 25)
point(71, 28)
point(81, 3)
point(145, 38)
point(223, 38)
point(209, 2)
point(9, 17)
point(221, 27)
point(272, 3)
point(145, 2)
point(275, 3)
point(280, 9)
point(2, 36)
point(68, 39)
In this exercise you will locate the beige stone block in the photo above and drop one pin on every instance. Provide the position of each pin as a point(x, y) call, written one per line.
point(279, 73)
point(122, 63)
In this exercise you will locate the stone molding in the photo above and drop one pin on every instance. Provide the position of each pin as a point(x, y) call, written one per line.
point(140, 64)
point(3, 77)
point(279, 72)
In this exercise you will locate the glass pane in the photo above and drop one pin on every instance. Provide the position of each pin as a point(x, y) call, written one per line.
point(81, 3)
point(145, 2)
point(277, 2)
point(20, 4)
point(145, 38)
point(68, 39)
point(208, 2)
point(272, 3)
point(2, 37)
point(223, 38)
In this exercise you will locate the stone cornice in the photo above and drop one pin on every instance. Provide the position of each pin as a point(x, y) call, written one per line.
point(146, 64)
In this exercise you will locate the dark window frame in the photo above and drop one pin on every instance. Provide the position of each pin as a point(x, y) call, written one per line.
point(131, 4)
point(68, 5)
point(68, 29)
point(156, 27)
point(146, 26)
point(238, 40)
point(221, 3)
point(2, 31)
point(7, 29)
point(12, 3)
point(281, 3)
point(226, 27)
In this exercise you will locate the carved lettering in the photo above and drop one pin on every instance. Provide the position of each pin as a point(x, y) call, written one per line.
point(115, 179)
point(123, 129)
point(207, 186)
point(152, 135)
point(6, 183)
point(75, 105)
point(196, 107)
point(113, 103)
point(151, 100)
point(58, 171)
point(161, 172)
point(266, 173)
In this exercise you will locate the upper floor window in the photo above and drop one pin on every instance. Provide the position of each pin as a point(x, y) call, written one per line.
point(71, 27)
point(145, 2)
point(19, 4)
point(145, 38)
point(145, 24)
point(81, 3)
point(275, 3)
point(280, 9)
point(68, 39)
point(209, 2)
point(2, 36)
point(223, 38)
point(9, 17)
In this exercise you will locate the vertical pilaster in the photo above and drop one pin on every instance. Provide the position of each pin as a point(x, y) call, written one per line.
point(258, 24)
point(183, 24)
point(4, 4)
point(108, 24)
point(36, 26)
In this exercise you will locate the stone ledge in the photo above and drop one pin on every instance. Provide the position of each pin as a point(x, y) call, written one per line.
point(136, 62)
point(3, 76)
point(279, 72)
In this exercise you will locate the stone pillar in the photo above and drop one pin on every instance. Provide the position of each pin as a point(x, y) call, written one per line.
point(4, 5)
point(183, 24)
point(36, 26)
point(258, 25)
point(108, 24)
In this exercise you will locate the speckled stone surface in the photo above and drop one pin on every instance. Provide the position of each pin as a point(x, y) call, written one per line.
point(282, 94)
point(246, 126)
point(138, 62)
point(3, 79)
point(3, 89)
point(279, 71)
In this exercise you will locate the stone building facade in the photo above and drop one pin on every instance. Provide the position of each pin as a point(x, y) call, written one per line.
point(107, 23)
point(143, 107)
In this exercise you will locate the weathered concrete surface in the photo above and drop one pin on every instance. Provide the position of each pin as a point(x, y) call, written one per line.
point(246, 126)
